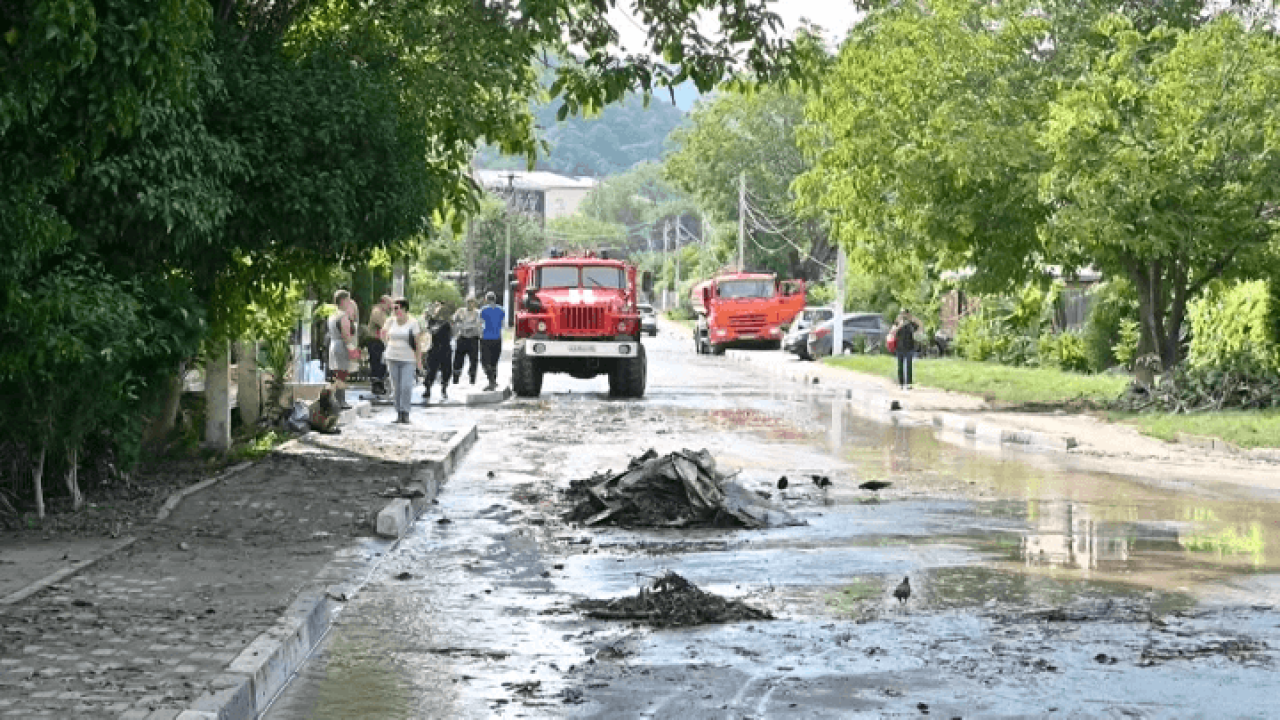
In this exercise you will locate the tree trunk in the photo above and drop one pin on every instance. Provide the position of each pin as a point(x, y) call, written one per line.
point(167, 418)
point(217, 392)
point(38, 482)
point(248, 386)
point(73, 478)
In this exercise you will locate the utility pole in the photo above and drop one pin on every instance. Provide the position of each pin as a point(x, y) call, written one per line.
point(742, 218)
point(837, 327)
point(506, 257)
point(666, 255)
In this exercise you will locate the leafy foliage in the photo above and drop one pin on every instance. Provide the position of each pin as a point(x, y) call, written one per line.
point(753, 134)
point(1002, 137)
point(1232, 329)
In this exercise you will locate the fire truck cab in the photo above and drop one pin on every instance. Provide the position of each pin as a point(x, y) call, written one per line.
point(740, 309)
point(577, 314)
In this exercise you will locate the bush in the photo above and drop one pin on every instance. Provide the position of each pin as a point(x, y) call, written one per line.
point(1065, 350)
point(1108, 339)
point(427, 288)
point(1232, 329)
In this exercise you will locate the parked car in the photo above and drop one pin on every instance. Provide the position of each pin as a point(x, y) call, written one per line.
point(869, 325)
point(648, 319)
point(796, 341)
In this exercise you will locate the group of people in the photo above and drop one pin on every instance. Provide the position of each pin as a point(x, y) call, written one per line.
point(398, 344)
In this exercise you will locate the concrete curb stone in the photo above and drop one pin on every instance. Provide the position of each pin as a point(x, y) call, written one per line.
point(488, 397)
point(265, 667)
point(881, 407)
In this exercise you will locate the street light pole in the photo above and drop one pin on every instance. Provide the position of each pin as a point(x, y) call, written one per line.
point(506, 257)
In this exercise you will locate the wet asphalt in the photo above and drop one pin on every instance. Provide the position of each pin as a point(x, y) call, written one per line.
point(1038, 589)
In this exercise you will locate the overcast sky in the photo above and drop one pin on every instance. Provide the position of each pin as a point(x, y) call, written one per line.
point(835, 17)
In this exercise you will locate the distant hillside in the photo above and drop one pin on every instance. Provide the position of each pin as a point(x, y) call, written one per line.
point(623, 135)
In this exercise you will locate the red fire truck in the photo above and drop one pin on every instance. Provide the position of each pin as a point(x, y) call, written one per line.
point(742, 309)
point(577, 314)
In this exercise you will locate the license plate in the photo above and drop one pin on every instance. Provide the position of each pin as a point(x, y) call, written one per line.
point(747, 337)
point(582, 348)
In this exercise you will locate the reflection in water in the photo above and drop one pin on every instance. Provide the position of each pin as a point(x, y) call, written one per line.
point(1098, 525)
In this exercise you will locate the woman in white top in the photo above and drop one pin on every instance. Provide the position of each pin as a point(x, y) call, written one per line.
point(404, 340)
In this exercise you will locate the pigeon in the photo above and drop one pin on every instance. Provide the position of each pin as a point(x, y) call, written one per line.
point(875, 485)
point(821, 481)
point(406, 575)
point(782, 483)
point(903, 591)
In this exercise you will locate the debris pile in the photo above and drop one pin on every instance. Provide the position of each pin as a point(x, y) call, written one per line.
point(672, 601)
point(680, 489)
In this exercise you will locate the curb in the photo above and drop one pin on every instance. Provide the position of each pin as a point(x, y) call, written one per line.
point(169, 506)
point(880, 407)
point(63, 574)
point(263, 669)
point(482, 397)
point(394, 520)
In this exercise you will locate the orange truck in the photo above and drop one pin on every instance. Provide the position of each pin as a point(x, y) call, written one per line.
point(742, 309)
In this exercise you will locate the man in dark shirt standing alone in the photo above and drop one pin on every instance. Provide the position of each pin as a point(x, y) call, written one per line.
point(491, 338)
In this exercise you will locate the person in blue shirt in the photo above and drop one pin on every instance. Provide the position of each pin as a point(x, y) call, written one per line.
point(491, 338)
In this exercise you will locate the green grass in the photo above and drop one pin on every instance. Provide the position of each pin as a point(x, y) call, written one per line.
point(1000, 384)
point(1245, 428)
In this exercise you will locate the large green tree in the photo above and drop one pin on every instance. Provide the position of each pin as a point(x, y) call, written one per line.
point(753, 134)
point(1001, 138)
point(1164, 165)
point(200, 159)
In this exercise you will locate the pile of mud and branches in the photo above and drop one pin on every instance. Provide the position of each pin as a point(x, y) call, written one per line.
point(672, 601)
point(680, 489)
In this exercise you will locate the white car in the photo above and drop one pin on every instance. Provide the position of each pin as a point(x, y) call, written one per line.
point(648, 319)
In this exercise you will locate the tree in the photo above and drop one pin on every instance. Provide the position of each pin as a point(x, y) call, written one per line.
point(753, 134)
point(1164, 164)
point(999, 140)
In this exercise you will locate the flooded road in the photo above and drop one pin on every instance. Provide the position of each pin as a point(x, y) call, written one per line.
point(1038, 589)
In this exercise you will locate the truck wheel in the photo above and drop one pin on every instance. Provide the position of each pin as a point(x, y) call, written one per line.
point(628, 377)
point(526, 376)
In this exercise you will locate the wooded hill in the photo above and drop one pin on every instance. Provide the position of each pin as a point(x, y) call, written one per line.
point(621, 137)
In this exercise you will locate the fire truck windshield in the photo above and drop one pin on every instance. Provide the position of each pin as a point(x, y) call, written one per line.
point(558, 276)
point(607, 276)
point(746, 289)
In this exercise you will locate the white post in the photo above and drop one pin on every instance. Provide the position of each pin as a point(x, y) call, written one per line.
point(397, 277)
point(248, 391)
point(742, 219)
point(471, 260)
point(217, 395)
point(837, 329)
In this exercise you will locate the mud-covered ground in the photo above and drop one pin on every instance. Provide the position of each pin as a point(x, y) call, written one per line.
point(1038, 588)
point(149, 627)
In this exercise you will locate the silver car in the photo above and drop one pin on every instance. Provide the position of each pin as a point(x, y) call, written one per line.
point(869, 325)
point(648, 319)
point(796, 341)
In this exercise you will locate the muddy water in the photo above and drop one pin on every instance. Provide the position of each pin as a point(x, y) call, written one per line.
point(1037, 589)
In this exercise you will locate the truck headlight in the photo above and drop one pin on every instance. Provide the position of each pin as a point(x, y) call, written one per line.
point(622, 326)
point(542, 326)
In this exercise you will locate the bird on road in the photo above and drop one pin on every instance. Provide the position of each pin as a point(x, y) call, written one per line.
point(821, 481)
point(782, 483)
point(903, 591)
point(875, 485)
